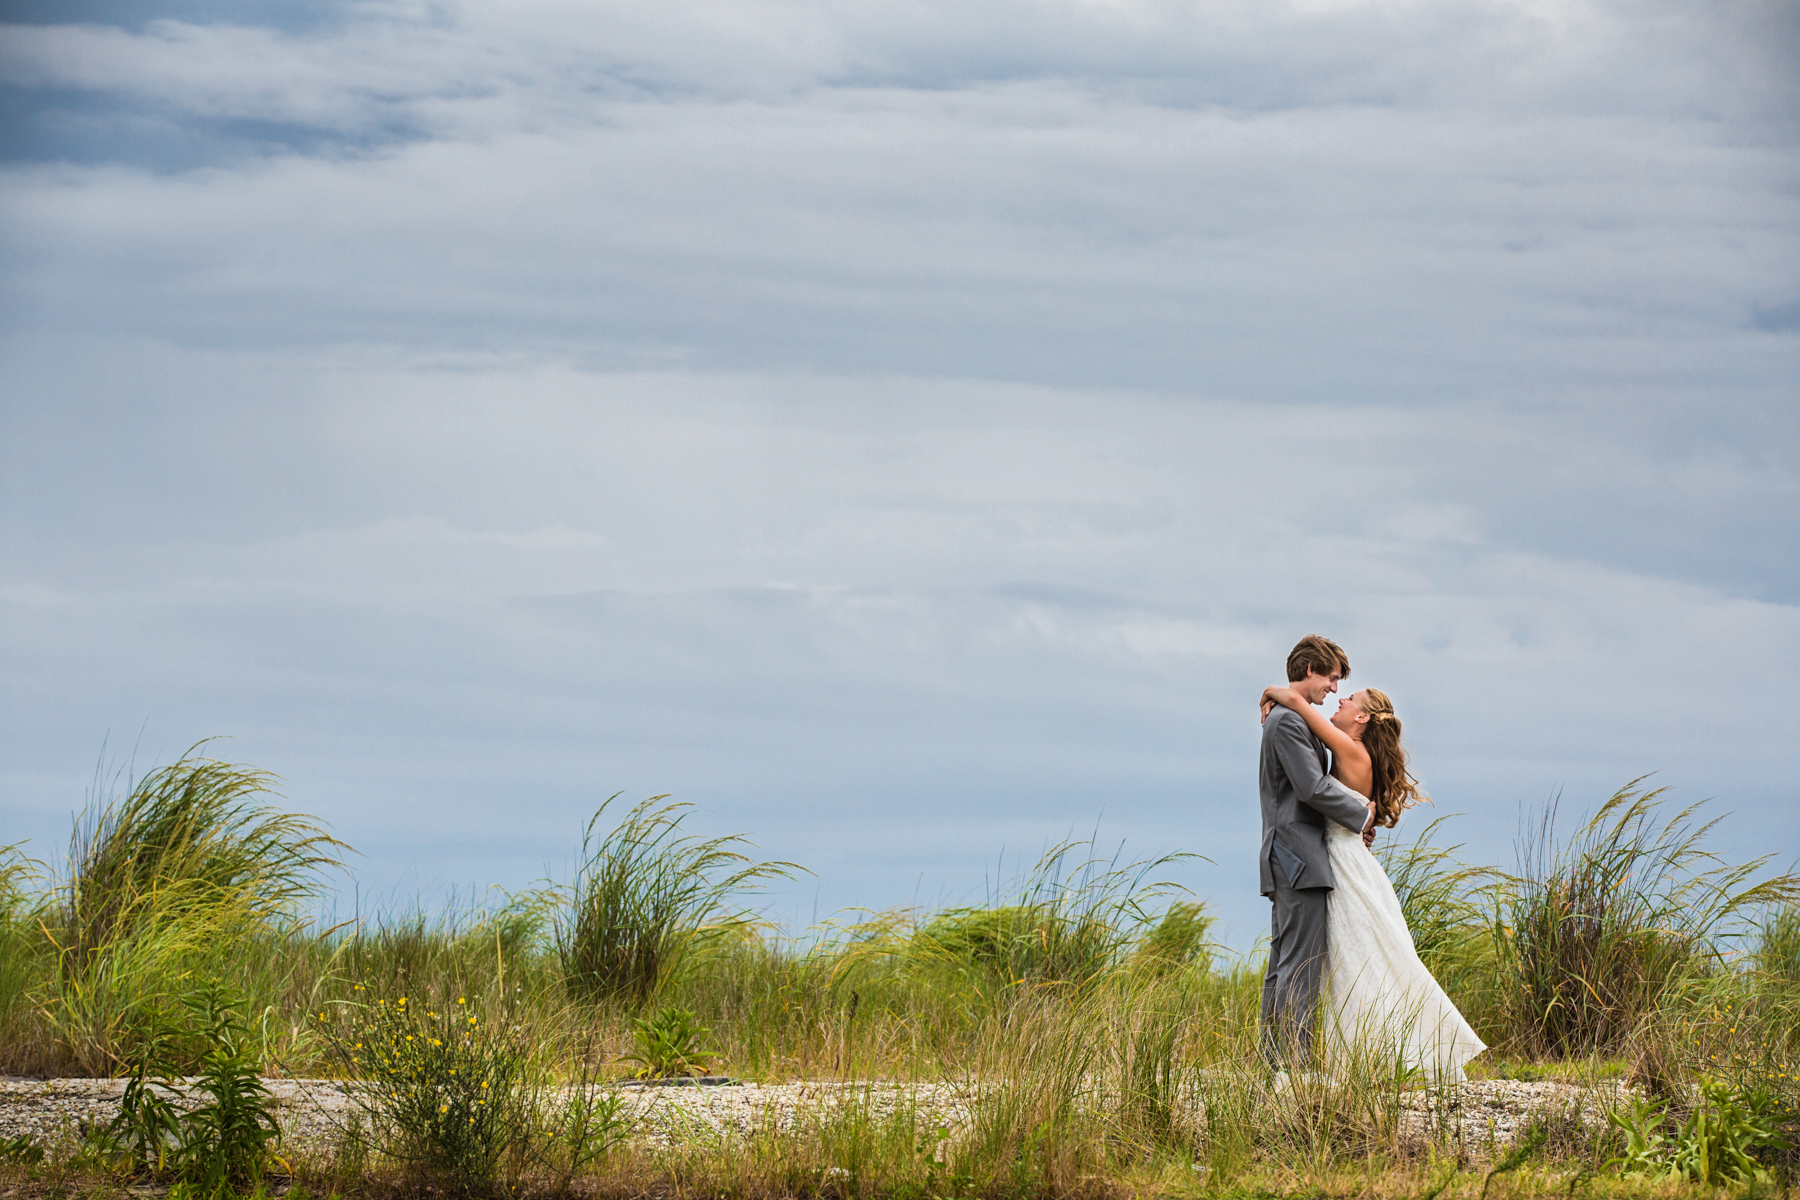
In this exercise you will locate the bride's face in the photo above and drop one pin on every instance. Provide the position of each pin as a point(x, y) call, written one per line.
point(1349, 715)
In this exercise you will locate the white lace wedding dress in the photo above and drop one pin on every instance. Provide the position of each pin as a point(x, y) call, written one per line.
point(1379, 995)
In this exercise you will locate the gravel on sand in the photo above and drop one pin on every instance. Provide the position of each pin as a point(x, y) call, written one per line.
point(313, 1112)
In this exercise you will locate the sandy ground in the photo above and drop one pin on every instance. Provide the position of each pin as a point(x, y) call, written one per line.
point(1490, 1113)
point(312, 1112)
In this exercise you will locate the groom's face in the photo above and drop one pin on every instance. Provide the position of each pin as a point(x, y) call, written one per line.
point(1315, 687)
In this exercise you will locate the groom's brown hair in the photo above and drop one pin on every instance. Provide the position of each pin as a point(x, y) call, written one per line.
point(1318, 656)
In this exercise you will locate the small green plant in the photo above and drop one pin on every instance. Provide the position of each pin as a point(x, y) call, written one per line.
point(670, 1042)
point(1528, 1145)
point(1646, 1143)
point(1718, 1141)
point(147, 1127)
point(21, 1150)
point(582, 1129)
point(227, 1137)
point(941, 1180)
point(1717, 1144)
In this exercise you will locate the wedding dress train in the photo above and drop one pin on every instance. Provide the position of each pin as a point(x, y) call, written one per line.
point(1377, 989)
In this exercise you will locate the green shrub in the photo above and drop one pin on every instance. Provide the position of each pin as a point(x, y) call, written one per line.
point(1642, 1122)
point(1072, 922)
point(146, 1130)
point(456, 1089)
point(1181, 939)
point(643, 896)
point(190, 875)
point(1018, 943)
point(1597, 932)
point(1436, 894)
point(1734, 1028)
point(227, 1138)
point(24, 955)
point(198, 822)
point(445, 1084)
point(1778, 948)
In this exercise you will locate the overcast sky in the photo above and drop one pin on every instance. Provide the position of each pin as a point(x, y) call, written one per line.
point(910, 432)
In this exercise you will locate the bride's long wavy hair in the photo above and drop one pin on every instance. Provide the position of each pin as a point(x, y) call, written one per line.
point(1395, 790)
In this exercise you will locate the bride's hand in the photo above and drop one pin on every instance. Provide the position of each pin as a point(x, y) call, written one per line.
point(1277, 695)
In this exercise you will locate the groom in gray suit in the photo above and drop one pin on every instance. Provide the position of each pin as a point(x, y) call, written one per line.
point(1298, 797)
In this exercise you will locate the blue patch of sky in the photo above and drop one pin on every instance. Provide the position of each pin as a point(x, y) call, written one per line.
point(1778, 318)
point(1649, 537)
point(291, 16)
point(89, 127)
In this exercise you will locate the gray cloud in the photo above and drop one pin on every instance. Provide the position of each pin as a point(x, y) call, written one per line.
point(905, 431)
point(889, 626)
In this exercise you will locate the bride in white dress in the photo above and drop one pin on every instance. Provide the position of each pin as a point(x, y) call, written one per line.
point(1378, 992)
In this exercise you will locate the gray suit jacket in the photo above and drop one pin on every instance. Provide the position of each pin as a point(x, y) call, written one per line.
point(1297, 798)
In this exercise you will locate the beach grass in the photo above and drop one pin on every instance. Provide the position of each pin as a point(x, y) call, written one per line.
point(1102, 1045)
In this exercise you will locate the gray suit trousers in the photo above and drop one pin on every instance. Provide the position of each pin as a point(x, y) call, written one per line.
point(1291, 985)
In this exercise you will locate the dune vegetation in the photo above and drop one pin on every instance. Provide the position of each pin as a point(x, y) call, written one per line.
point(1102, 1045)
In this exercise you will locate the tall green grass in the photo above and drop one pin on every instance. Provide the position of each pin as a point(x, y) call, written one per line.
point(1598, 931)
point(644, 896)
point(194, 874)
point(22, 954)
point(1071, 920)
point(1447, 907)
point(1778, 946)
point(195, 834)
point(1100, 1040)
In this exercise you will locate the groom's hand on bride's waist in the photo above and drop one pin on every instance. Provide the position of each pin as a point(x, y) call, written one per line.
point(1368, 834)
